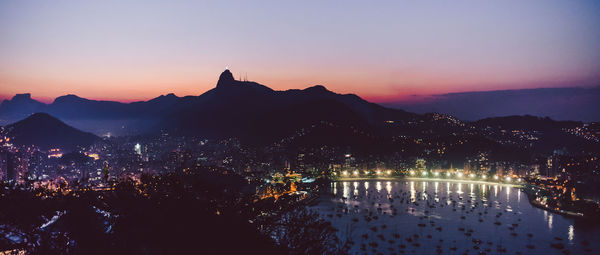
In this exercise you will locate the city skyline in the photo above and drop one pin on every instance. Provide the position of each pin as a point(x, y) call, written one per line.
point(309, 127)
point(131, 52)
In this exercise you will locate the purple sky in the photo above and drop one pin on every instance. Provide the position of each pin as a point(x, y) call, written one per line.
point(131, 50)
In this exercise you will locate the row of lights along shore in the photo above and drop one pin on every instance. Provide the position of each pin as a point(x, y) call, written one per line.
point(435, 174)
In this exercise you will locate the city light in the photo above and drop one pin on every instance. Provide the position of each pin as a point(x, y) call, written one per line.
point(232, 154)
point(138, 149)
point(95, 156)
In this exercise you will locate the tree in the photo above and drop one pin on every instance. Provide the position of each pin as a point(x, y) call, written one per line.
point(303, 232)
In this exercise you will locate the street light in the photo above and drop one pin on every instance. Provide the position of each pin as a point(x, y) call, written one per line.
point(495, 177)
point(460, 175)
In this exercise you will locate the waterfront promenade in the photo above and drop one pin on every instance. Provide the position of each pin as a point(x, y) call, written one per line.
point(408, 178)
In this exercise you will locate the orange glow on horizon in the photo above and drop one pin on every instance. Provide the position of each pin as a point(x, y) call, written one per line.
point(375, 86)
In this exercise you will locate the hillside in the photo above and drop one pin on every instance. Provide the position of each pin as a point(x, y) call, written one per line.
point(47, 132)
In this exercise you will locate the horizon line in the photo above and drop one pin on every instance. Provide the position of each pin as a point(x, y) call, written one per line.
point(407, 98)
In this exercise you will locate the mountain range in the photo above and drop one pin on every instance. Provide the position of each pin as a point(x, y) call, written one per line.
point(568, 103)
point(256, 114)
point(232, 108)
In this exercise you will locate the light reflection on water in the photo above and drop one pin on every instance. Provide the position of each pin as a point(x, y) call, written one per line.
point(346, 190)
point(412, 191)
point(388, 188)
point(571, 233)
point(401, 208)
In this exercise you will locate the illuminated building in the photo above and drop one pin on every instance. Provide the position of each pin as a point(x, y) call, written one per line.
point(420, 165)
point(138, 149)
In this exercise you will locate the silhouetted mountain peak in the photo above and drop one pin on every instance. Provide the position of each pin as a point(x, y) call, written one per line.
point(68, 98)
point(22, 97)
point(167, 96)
point(317, 88)
point(44, 117)
point(226, 79)
point(46, 131)
point(20, 106)
point(230, 87)
point(40, 120)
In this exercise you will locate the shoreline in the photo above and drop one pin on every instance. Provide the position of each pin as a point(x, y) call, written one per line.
point(564, 213)
point(343, 179)
point(532, 202)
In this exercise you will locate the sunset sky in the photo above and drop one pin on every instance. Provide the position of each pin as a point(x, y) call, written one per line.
point(380, 50)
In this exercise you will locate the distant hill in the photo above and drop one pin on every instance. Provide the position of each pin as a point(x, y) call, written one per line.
point(257, 114)
point(568, 103)
point(550, 132)
point(233, 108)
point(526, 122)
point(254, 112)
point(19, 107)
point(99, 117)
point(47, 132)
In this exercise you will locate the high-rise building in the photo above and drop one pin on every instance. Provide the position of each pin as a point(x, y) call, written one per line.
point(3, 165)
point(420, 164)
point(349, 162)
point(8, 167)
point(300, 166)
